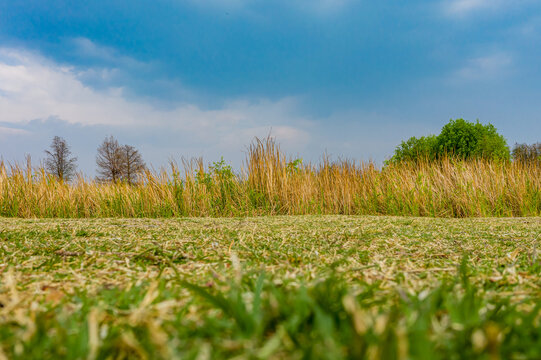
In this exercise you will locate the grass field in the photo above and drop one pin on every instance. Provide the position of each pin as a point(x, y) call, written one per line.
point(271, 183)
point(330, 287)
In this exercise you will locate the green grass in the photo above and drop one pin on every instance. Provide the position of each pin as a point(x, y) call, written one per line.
point(306, 287)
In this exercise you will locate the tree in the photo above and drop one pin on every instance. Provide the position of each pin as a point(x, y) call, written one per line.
point(527, 153)
point(459, 138)
point(110, 160)
point(416, 149)
point(465, 139)
point(133, 164)
point(118, 162)
point(59, 161)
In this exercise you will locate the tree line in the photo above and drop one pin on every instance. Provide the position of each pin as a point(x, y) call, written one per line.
point(115, 162)
point(458, 138)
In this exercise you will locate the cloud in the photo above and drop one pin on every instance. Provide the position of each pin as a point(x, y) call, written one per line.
point(315, 7)
point(530, 28)
point(34, 88)
point(87, 48)
point(462, 8)
point(490, 67)
point(7, 131)
point(323, 7)
point(40, 98)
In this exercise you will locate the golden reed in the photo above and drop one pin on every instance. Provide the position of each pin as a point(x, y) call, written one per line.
point(272, 184)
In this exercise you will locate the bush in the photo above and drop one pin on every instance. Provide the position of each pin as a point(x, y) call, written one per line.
point(459, 138)
point(471, 140)
point(527, 153)
point(414, 149)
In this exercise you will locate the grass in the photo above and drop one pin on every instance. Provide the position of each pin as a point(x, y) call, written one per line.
point(285, 287)
point(272, 184)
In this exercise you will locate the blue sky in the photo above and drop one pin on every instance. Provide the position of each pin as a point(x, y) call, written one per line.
point(184, 78)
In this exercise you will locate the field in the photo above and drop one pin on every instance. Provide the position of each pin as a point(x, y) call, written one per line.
point(271, 183)
point(329, 287)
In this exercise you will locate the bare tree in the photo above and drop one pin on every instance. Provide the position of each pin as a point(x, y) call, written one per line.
point(527, 153)
point(133, 164)
point(110, 160)
point(59, 161)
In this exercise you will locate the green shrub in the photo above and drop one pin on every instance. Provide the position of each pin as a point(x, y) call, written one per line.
point(459, 138)
point(414, 149)
point(464, 139)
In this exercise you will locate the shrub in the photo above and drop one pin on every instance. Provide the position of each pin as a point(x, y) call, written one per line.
point(414, 149)
point(459, 138)
point(464, 139)
point(527, 153)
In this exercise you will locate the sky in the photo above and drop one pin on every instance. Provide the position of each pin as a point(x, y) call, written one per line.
point(189, 78)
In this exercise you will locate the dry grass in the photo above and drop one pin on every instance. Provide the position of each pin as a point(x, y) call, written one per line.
point(272, 184)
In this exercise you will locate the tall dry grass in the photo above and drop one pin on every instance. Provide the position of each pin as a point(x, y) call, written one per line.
point(272, 184)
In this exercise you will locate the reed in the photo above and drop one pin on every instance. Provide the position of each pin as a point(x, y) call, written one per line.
point(270, 183)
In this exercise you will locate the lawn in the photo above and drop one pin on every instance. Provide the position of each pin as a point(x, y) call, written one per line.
point(329, 287)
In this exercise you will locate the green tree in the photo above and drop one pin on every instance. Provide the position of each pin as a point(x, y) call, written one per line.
point(465, 139)
point(458, 138)
point(415, 149)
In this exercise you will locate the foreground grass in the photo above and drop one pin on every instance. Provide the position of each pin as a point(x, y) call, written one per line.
point(326, 287)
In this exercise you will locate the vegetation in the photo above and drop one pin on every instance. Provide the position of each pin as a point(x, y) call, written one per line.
point(319, 287)
point(281, 287)
point(110, 160)
point(527, 153)
point(415, 149)
point(133, 164)
point(468, 140)
point(271, 184)
point(118, 163)
point(459, 138)
point(59, 161)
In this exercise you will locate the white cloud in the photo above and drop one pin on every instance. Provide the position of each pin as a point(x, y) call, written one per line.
point(32, 87)
point(490, 67)
point(86, 48)
point(317, 7)
point(530, 28)
point(323, 7)
point(7, 131)
point(462, 8)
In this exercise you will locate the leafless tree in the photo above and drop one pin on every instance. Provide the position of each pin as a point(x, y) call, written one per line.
point(110, 160)
point(527, 153)
point(133, 164)
point(59, 161)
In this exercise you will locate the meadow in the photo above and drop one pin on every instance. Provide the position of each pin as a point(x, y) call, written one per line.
point(282, 287)
point(281, 260)
point(271, 183)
